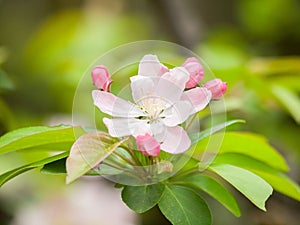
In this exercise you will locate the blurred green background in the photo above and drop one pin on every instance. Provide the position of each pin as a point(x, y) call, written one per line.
point(46, 46)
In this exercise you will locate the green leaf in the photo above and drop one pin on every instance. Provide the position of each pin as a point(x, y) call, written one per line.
point(12, 173)
point(289, 100)
point(253, 145)
point(182, 206)
point(88, 151)
point(279, 181)
point(249, 184)
point(195, 137)
point(214, 189)
point(142, 198)
point(39, 138)
point(59, 167)
point(55, 167)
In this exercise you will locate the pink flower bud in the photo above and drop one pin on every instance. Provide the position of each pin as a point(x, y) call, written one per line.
point(101, 78)
point(196, 71)
point(217, 88)
point(148, 145)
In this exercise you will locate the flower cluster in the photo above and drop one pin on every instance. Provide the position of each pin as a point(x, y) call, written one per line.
point(163, 99)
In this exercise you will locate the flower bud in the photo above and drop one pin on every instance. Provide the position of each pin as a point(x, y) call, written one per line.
point(101, 78)
point(196, 71)
point(147, 145)
point(217, 88)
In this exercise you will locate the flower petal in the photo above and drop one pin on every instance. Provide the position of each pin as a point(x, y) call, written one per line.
point(177, 113)
point(150, 66)
point(176, 140)
point(157, 129)
point(115, 106)
point(199, 97)
point(172, 84)
point(142, 86)
point(120, 127)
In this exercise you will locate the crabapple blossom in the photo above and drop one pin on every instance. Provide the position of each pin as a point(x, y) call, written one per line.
point(160, 106)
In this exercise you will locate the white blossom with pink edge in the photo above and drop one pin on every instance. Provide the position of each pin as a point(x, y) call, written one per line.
point(161, 105)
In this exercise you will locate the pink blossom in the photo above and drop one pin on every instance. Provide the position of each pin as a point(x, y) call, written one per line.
point(147, 145)
point(217, 88)
point(101, 78)
point(196, 71)
point(160, 106)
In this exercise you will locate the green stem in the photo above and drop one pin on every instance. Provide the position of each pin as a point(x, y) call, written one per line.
point(123, 169)
point(133, 155)
point(113, 166)
point(125, 159)
point(191, 121)
point(135, 158)
point(116, 161)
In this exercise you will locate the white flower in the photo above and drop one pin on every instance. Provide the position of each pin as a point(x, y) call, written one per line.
point(160, 105)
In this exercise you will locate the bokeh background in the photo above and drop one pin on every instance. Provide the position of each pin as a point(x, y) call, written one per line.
point(46, 46)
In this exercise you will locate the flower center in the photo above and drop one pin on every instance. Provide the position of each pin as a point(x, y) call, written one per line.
point(153, 106)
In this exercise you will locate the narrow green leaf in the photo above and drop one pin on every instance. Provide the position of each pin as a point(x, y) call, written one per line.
point(15, 172)
point(289, 100)
point(195, 137)
point(249, 184)
point(142, 198)
point(88, 151)
point(214, 189)
point(41, 138)
point(253, 145)
point(182, 206)
point(279, 181)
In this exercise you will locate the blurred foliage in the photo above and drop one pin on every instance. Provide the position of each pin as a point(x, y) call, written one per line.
point(271, 16)
point(5, 82)
point(7, 122)
point(264, 88)
point(64, 59)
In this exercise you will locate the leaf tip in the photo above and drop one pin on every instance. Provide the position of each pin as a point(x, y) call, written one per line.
point(69, 179)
